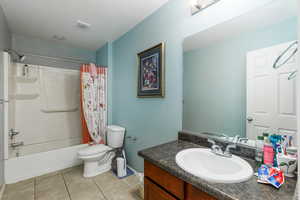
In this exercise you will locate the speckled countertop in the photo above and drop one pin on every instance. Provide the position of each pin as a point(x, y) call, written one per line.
point(164, 157)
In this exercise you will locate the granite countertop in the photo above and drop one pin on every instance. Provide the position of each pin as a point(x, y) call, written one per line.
point(164, 157)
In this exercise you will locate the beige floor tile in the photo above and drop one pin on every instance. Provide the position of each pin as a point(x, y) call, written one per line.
point(19, 191)
point(120, 193)
point(46, 176)
point(108, 181)
point(132, 180)
point(81, 188)
point(136, 191)
point(114, 188)
point(71, 168)
point(19, 185)
point(85, 190)
point(75, 175)
point(52, 188)
point(59, 185)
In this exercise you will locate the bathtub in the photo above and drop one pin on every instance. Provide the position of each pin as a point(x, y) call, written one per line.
point(28, 166)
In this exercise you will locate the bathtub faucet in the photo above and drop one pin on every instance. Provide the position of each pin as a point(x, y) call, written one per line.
point(13, 133)
point(16, 144)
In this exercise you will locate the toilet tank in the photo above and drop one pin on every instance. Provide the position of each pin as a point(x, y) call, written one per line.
point(115, 136)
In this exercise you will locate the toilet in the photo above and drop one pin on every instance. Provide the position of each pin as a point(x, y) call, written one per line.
point(97, 158)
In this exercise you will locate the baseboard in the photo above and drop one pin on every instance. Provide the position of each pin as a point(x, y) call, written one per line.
point(135, 172)
point(2, 190)
point(139, 174)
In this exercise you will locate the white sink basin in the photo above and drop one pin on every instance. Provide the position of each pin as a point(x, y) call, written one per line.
point(210, 167)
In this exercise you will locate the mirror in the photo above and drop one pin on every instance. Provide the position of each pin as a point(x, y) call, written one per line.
point(229, 84)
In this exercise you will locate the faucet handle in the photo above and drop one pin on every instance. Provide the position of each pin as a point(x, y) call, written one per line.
point(236, 139)
point(211, 141)
point(241, 140)
point(227, 150)
point(13, 133)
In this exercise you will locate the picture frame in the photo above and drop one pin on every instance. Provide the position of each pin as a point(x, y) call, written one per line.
point(151, 72)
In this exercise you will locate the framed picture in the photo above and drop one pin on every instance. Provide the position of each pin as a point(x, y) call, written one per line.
point(151, 72)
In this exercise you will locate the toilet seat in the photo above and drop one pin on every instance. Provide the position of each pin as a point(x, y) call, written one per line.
point(93, 150)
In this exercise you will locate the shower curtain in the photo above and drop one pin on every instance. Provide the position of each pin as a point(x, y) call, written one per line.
point(93, 103)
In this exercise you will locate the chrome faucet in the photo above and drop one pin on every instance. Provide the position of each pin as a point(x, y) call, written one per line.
point(216, 149)
point(227, 152)
point(243, 140)
point(236, 139)
point(16, 144)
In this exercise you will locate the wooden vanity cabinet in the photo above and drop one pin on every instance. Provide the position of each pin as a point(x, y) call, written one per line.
point(154, 192)
point(160, 185)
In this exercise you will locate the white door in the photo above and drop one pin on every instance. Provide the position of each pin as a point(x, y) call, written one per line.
point(271, 97)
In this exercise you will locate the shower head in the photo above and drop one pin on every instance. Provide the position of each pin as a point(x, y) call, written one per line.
point(21, 57)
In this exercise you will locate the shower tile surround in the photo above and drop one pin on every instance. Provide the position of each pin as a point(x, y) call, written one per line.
point(28, 96)
point(69, 184)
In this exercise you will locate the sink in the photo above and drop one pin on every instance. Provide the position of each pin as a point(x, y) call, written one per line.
point(204, 164)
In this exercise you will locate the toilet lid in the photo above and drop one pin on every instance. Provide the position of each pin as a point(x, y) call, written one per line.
point(94, 149)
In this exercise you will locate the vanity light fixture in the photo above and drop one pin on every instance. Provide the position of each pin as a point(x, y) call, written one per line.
point(199, 5)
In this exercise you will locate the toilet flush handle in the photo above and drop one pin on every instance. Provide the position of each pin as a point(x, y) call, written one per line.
point(132, 138)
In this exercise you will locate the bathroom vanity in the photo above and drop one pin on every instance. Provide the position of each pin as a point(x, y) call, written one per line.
point(165, 180)
point(161, 185)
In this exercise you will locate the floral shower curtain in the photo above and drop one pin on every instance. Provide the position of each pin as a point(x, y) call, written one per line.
point(93, 103)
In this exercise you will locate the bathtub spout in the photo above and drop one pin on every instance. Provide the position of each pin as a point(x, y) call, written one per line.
point(16, 144)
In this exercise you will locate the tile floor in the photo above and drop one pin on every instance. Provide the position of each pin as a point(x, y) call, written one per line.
point(69, 184)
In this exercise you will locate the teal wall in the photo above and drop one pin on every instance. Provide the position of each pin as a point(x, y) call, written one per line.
point(5, 42)
point(214, 81)
point(155, 121)
point(51, 48)
point(102, 55)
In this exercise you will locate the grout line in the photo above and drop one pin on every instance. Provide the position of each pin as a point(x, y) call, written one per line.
point(100, 189)
point(34, 189)
point(2, 190)
point(66, 185)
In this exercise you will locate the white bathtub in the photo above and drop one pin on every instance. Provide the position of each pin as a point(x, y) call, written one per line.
point(25, 167)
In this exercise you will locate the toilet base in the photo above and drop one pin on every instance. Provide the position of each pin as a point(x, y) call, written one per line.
point(94, 168)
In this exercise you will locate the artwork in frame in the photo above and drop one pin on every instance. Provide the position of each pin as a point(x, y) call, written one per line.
point(151, 72)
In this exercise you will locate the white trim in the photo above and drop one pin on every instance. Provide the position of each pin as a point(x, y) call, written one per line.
point(106, 102)
point(6, 65)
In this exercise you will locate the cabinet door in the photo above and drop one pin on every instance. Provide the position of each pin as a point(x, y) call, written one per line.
point(170, 183)
point(193, 193)
point(153, 192)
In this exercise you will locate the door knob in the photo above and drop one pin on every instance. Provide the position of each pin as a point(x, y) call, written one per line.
point(249, 119)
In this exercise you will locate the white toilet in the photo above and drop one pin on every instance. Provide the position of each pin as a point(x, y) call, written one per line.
point(97, 158)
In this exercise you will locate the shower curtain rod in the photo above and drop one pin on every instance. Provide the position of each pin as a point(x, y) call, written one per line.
point(67, 59)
